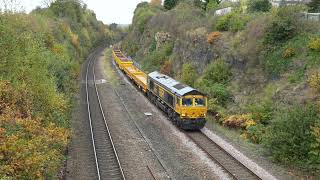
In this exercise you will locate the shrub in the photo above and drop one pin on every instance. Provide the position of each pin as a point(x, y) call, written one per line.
point(288, 53)
point(259, 5)
point(169, 4)
point(262, 112)
point(280, 30)
point(290, 140)
point(314, 44)
point(254, 133)
point(213, 36)
point(217, 72)
point(239, 121)
point(212, 4)
point(217, 91)
point(233, 21)
point(285, 24)
point(314, 6)
point(189, 74)
point(314, 81)
point(214, 81)
point(155, 59)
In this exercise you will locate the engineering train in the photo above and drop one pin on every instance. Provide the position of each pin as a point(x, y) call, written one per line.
point(185, 106)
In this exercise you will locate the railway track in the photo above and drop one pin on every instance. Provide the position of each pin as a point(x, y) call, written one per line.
point(228, 163)
point(107, 162)
point(140, 130)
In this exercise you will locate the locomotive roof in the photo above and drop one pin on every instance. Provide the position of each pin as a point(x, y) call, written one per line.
point(172, 85)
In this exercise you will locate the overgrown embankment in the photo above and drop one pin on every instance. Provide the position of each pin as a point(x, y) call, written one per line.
point(258, 64)
point(41, 53)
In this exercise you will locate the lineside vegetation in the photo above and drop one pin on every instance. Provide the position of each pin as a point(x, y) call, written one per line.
point(41, 53)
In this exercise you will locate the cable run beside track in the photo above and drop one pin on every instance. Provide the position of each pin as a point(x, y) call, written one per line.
point(107, 162)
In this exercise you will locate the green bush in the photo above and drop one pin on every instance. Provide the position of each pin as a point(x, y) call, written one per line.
point(255, 133)
point(155, 59)
point(169, 4)
point(217, 91)
point(217, 72)
point(281, 30)
point(234, 21)
point(214, 81)
point(259, 5)
point(212, 5)
point(284, 25)
point(314, 6)
point(262, 112)
point(189, 75)
point(290, 139)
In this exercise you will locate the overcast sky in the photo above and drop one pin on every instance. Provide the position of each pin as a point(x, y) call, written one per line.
point(108, 11)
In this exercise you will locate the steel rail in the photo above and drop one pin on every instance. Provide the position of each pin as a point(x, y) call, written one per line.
point(245, 167)
point(90, 120)
point(91, 61)
point(138, 127)
point(152, 174)
point(234, 176)
point(106, 124)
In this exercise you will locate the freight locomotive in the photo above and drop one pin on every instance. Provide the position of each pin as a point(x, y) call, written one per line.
point(185, 106)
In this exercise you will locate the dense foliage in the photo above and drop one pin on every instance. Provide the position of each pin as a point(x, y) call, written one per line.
point(259, 5)
point(234, 22)
point(293, 137)
point(314, 6)
point(214, 81)
point(41, 54)
point(169, 4)
point(188, 75)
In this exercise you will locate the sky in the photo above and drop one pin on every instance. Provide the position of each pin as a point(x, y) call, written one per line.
point(108, 11)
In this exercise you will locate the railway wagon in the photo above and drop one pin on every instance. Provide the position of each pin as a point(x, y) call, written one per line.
point(138, 76)
point(185, 106)
point(127, 66)
point(121, 60)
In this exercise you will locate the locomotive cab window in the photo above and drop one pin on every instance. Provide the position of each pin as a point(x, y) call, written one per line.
point(200, 102)
point(186, 102)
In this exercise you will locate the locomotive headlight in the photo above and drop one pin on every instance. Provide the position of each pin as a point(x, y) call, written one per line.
point(183, 114)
